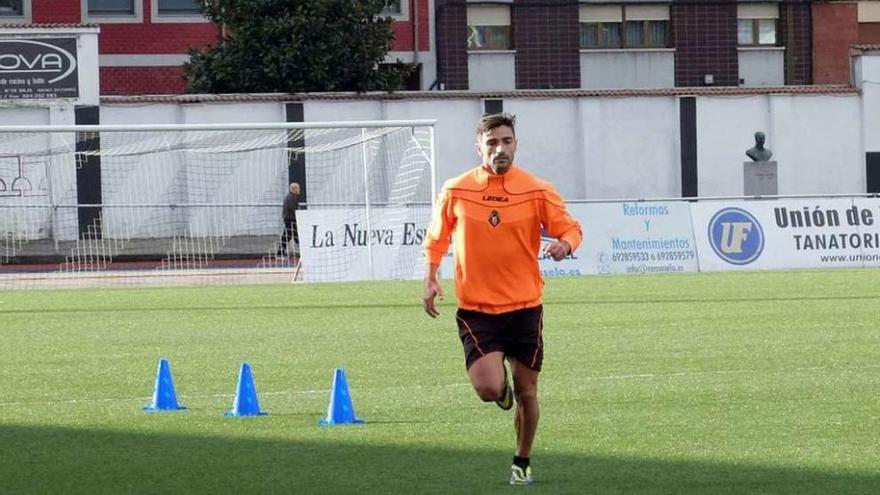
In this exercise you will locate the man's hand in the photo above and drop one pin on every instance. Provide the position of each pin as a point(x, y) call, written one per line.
point(432, 289)
point(557, 250)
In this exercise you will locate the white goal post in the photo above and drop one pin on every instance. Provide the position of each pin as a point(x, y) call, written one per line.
point(112, 205)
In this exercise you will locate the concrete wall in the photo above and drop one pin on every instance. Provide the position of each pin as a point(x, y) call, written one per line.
point(617, 68)
point(454, 131)
point(181, 177)
point(30, 178)
point(867, 71)
point(814, 138)
point(491, 71)
point(590, 147)
point(594, 147)
point(87, 58)
point(762, 66)
point(631, 147)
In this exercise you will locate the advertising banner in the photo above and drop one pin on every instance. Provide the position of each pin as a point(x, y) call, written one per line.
point(38, 68)
point(868, 212)
point(634, 237)
point(619, 238)
point(791, 233)
point(342, 245)
point(629, 237)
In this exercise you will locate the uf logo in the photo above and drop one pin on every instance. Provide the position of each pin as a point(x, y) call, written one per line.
point(736, 236)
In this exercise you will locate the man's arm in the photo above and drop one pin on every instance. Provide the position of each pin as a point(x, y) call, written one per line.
point(559, 224)
point(558, 250)
point(436, 244)
point(432, 289)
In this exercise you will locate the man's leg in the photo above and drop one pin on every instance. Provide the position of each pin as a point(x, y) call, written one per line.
point(487, 376)
point(484, 357)
point(285, 238)
point(294, 233)
point(525, 385)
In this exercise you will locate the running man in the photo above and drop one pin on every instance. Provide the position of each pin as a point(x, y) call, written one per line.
point(497, 211)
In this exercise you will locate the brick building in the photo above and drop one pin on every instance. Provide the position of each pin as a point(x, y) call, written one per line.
point(552, 44)
point(503, 45)
point(144, 43)
point(837, 26)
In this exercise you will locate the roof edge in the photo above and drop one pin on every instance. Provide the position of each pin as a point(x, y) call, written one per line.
point(456, 94)
point(25, 27)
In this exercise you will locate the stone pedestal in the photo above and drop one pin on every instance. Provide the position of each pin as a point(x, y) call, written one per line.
point(759, 179)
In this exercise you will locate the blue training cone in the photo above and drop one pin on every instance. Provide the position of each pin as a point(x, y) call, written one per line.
point(246, 403)
point(341, 410)
point(164, 397)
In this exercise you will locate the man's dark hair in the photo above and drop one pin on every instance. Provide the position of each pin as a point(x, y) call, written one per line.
point(493, 120)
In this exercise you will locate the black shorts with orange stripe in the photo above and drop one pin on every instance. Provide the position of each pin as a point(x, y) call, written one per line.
point(518, 334)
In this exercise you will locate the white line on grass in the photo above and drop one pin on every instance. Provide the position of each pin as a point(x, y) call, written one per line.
point(147, 399)
point(457, 384)
point(209, 396)
point(729, 372)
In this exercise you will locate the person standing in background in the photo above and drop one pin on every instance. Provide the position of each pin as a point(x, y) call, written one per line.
point(290, 205)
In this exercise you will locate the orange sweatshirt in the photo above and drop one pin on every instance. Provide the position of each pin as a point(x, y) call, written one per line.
point(497, 222)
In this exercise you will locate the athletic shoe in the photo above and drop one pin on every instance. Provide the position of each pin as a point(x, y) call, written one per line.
point(520, 476)
point(506, 400)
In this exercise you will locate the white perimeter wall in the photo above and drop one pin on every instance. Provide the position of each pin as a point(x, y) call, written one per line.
point(867, 73)
point(606, 148)
point(598, 148)
point(590, 147)
point(246, 178)
point(815, 139)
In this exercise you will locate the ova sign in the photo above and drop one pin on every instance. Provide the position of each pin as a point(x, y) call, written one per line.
point(38, 68)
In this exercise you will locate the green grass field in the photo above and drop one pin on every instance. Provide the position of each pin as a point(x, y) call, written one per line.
point(684, 384)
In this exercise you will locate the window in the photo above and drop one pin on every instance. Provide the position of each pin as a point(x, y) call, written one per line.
point(601, 26)
point(869, 12)
point(111, 7)
point(488, 27)
point(393, 7)
point(15, 11)
point(176, 11)
point(397, 9)
point(756, 24)
point(620, 26)
point(11, 8)
point(178, 7)
point(113, 11)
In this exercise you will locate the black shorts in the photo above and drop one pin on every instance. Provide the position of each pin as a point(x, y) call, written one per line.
point(518, 334)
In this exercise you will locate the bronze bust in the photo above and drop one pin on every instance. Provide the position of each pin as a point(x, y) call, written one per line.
point(759, 153)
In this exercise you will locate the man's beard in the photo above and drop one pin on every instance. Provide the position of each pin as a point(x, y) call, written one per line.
point(500, 165)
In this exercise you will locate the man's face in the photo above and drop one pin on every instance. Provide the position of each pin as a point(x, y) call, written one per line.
point(294, 189)
point(497, 148)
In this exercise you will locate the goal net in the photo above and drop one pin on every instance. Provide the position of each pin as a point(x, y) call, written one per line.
point(193, 204)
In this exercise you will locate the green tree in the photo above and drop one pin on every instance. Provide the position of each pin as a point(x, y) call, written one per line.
point(296, 46)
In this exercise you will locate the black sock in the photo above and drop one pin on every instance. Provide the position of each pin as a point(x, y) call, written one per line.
point(522, 462)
